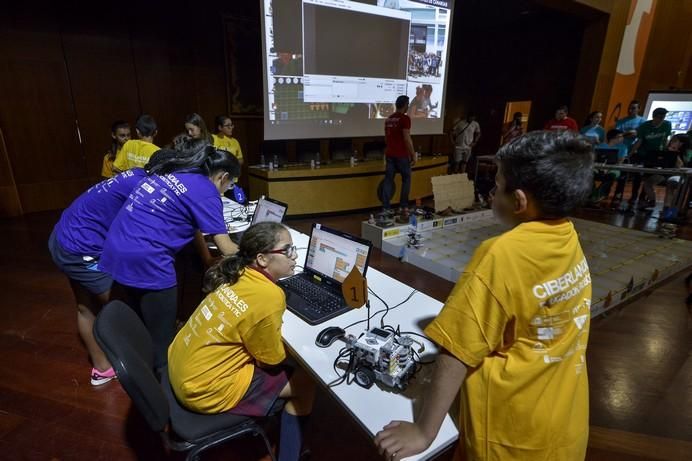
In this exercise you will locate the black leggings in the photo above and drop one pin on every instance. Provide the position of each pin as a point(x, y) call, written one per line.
point(158, 310)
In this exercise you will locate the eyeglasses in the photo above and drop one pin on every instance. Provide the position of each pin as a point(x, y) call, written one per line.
point(289, 252)
point(227, 125)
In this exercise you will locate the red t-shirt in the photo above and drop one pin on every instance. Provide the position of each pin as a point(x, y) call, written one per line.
point(394, 136)
point(566, 123)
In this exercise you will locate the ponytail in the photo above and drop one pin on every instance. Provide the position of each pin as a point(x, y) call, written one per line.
point(188, 154)
point(260, 238)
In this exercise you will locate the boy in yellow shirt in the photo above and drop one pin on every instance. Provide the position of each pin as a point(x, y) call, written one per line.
point(135, 153)
point(514, 330)
point(223, 138)
point(228, 356)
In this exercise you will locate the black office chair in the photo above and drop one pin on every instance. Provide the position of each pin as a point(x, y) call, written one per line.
point(127, 344)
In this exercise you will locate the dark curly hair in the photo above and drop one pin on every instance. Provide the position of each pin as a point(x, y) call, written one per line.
point(556, 169)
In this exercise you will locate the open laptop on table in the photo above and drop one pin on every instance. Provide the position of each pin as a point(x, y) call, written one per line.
point(314, 295)
point(268, 209)
point(606, 155)
point(660, 159)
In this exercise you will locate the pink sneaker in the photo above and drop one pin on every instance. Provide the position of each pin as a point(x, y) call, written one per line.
point(102, 377)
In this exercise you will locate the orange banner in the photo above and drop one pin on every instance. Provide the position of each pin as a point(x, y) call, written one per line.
point(632, 51)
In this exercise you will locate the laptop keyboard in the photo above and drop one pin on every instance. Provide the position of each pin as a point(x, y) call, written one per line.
point(319, 304)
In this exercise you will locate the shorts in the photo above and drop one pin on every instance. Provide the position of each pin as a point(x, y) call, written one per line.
point(81, 269)
point(262, 397)
point(462, 154)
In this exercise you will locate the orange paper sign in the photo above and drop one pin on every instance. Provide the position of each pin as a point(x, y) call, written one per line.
point(355, 288)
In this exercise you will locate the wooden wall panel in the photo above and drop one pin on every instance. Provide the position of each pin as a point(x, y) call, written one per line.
point(668, 61)
point(37, 116)
point(518, 52)
point(9, 197)
point(104, 85)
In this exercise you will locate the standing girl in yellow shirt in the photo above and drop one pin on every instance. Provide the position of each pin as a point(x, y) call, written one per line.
point(228, 356)
point(120, 134)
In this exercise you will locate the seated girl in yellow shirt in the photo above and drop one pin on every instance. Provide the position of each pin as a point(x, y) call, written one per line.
point(228, 356)
point(223, 138)
point(196, 128)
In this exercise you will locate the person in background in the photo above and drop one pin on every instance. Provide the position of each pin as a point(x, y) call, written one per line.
point(592, 128)
point(135, 153)
point(679, 145)
point(464, 135)
point(561, 122)
point(181, 196)
point(514, 331)
point(629, 125)
point(223, 138)
point(120, 134)
point(512, 129)
point(651, 136)
point(229, 356)
point(196, 128)
point(400, 156)
point(606, 177)
point(76, 244)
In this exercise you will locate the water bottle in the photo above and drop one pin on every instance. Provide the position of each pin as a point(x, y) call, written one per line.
point(312, 164)
point(317, 160)
point(276, 161)
point(262, 160)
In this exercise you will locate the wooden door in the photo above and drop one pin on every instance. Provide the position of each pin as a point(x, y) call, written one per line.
point(37, 116)
point(103, 81)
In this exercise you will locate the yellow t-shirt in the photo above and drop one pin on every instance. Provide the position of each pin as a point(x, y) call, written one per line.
point(107, 165)
point(519, 316)
point(229, 145)
point(212, 358)
point(134, 153)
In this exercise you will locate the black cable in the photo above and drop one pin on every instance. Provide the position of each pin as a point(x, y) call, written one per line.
point(414, 291)
point(385, 310)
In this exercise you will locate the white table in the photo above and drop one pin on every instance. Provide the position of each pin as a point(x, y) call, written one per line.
point(371, 408)
point(236, 215)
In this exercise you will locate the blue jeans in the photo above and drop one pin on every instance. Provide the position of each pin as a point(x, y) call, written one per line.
point(403, 167)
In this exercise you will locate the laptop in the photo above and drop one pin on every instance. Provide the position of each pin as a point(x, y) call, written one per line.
point(315, 295)
point(660, 159)
point(238, 220)
point(606, 155)
point(268, 210)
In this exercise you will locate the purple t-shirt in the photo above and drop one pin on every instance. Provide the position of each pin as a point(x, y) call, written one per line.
point(84, 224)
point(160, 217)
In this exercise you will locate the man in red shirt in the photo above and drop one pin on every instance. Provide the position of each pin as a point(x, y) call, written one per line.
point(399, 153)
point(561, 122)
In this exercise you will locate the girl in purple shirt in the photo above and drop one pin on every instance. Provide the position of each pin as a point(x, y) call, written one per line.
point(160, 217)
point(76, 244)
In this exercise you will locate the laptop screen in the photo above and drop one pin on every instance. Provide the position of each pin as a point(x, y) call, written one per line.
point(333, 254)
point(268, 210)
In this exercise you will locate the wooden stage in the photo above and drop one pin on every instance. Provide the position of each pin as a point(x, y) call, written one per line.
point(338, 187)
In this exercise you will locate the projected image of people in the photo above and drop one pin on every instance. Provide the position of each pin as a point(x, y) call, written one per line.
point(421, 105)
point(288, 64)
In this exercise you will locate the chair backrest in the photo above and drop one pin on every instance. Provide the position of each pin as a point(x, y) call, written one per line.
point(127, 344)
